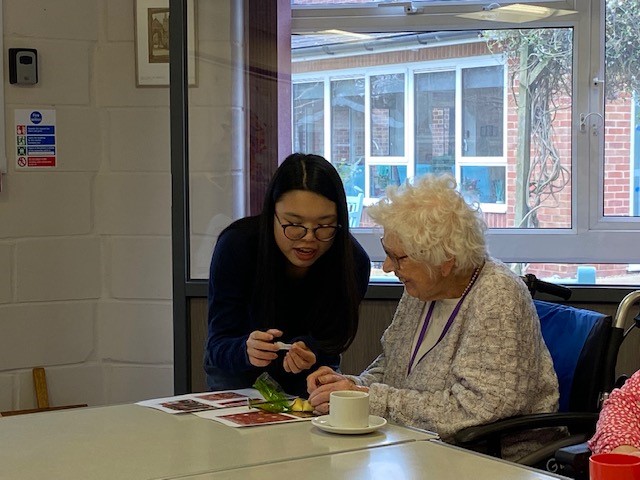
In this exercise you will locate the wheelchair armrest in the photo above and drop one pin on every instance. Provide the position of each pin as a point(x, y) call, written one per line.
point(574, 460)
point(580, 421)
point(569, 454)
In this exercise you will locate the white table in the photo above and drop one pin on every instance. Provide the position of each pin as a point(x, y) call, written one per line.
point(134, 442)
point(426, 460)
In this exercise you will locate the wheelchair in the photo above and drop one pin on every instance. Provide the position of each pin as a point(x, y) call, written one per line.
point(584, 346)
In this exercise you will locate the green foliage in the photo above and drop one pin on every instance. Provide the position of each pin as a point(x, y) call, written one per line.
point(541, 61)
point(547, 52)
point(550, 48)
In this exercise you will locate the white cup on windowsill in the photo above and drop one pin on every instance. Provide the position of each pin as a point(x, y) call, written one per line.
point(349, 409)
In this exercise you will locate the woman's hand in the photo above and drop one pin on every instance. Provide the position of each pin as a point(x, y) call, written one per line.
point(260, 347)
point(299, 358)
point(628, 449)
point(322, 382)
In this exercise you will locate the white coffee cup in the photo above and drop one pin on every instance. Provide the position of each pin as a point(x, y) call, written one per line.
point(349, 409)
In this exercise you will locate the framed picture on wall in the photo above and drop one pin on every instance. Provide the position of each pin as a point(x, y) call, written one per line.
point(152, 42)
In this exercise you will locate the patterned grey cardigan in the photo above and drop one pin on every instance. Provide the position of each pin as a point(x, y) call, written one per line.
point(491, 364)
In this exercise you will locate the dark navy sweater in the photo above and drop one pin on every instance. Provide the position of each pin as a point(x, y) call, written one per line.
point(233, 311)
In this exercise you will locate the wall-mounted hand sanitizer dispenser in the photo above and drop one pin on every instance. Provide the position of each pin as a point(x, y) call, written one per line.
point(23, 66)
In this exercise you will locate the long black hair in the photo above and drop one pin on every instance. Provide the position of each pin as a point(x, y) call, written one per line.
point(315, 174)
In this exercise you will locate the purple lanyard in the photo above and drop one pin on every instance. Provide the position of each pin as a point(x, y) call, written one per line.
point(427, 319)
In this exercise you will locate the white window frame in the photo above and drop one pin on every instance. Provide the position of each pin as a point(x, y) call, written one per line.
point(390, 160)
point(468, 161)
point(592, 237)
point(409, 70)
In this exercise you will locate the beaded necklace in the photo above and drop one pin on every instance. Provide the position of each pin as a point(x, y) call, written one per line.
point(447, 326)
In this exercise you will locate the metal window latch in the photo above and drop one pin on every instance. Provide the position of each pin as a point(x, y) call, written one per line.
point(410, 10)
point(597, 81)
point(583, 122)
point(408, 7)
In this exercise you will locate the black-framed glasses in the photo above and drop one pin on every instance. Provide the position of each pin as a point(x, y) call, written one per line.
point(395, 260)
point(294, 231)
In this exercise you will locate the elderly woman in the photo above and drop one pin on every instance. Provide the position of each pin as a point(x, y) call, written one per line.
point(618, 429)
point(464, 347)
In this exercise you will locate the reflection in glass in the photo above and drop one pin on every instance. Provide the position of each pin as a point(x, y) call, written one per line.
point(482, 184)
point(622, 115)
point(387, 115)
point(383, 176)
point(609, 274)
point(347, 132)
point(482, 111)
point(308, 118)
point(435, 122)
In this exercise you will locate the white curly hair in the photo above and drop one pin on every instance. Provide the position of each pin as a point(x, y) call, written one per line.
point(433, 222)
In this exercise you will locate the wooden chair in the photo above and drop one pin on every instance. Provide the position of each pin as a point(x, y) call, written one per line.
point(42, 396)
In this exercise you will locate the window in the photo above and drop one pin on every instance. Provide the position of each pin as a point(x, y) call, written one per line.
point(621, 125)
point(399, 144)
point(513, 113)
point(308, 111)
point(347, 132)
point(435, 122)
point(454, 108)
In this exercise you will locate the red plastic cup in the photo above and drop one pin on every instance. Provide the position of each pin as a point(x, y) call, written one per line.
point(614, 466)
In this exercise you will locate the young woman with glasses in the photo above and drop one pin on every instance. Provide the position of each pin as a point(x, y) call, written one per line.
point(292, 275)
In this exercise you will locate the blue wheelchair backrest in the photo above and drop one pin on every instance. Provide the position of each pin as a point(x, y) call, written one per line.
point(565, 330)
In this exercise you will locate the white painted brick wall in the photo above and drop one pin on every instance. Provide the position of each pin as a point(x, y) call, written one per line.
point(41, 334)
point(145, 197)
point(44, 204)
point(62, 19)
point(62, 71)
point(130, 383)
point(140, 267)
point(60, 268)
point(6, 272)
point(131, 332)
point(139, 140)
point(85, 248)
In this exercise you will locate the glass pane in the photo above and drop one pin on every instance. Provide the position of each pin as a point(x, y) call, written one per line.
point(622, 115)
point(470, 109)
point(217, 140)
point(308, 118)
point(482, 111)
point(330, 2)
point(351, 2)
point(383, 176)
point(347, 132)
point(609, 274)
point(582, 274)
point(435, 122)
point(387, 115)
point(483, 184)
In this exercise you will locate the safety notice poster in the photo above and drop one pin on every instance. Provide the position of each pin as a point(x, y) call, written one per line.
point(35, 139)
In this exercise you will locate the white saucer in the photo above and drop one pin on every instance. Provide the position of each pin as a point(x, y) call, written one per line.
point(375, 423)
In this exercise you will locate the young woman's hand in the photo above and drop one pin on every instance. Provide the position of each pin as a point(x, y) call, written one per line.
point(260, 347)
point(322, 382)
point(299, 358)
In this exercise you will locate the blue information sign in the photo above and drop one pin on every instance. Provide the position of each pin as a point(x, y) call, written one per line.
point(37, 149)
point(40, 130)
point(41, 140)
point(36, 117)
